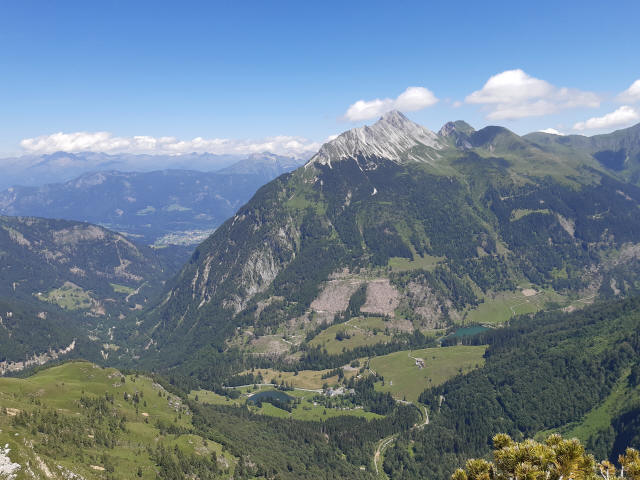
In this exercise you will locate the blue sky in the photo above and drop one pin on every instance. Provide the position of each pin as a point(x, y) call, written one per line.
point(253, 71)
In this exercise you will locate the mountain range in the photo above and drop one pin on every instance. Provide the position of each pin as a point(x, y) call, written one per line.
point(60, 167)
point(163, 207)
point(385, 309)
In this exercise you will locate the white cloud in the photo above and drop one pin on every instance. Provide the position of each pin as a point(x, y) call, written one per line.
point(552, 131)
point(515, 94)
point(631, 94)
point(623, 116)
point(412, 99)
point(108, 143)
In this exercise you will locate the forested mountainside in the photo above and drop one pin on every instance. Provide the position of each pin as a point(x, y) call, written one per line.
point(163, 207)
point(423, 230)
point(577, 373)
point(63, 281)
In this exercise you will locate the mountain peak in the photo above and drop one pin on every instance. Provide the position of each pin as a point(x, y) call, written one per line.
point(396, 118)
point(456, 128)
point(458, 133)
point(391, 137)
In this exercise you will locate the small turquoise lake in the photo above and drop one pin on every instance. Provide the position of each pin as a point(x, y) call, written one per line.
point(469, 331)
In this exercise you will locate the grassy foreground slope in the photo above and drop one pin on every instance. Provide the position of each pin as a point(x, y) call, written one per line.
point(81, 419)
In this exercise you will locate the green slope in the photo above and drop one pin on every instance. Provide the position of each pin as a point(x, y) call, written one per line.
point(96, 422)
point(617, 152)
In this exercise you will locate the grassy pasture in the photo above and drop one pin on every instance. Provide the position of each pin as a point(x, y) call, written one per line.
point(311, 379)
point(360, 331)
point(500, 307)
point(122, 289)
point(69, 297)
point(425, 262)
point(403, 379)
point(306, 410)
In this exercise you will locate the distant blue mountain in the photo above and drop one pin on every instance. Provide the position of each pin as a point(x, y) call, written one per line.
point(165, 206)
point(36, 170)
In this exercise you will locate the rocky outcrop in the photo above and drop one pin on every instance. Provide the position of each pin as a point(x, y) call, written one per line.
point(36, 359)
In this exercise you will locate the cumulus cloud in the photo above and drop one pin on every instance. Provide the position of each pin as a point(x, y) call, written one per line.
point(411, 100)
point(515, 94)
point(631, 94)
point(108, 143)
point(622, 117)
point(552, 131)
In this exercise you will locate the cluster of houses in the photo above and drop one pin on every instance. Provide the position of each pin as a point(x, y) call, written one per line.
point(335, 392)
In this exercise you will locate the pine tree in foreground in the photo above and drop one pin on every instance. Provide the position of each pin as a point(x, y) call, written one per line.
point(554, 459)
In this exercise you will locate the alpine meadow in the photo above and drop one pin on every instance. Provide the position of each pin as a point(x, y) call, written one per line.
point(247, 241)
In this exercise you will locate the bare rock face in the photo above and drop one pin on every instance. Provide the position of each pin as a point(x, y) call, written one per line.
point(257, 274)
point(425, 303)
point(36, 359)
point(390, 138)
point(382, 298)
point(252, 271)
point(335, 295)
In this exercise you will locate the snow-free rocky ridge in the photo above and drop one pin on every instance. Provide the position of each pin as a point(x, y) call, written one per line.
point(392, 137)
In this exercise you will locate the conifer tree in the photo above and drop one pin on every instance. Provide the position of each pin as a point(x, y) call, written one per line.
point(554, 459)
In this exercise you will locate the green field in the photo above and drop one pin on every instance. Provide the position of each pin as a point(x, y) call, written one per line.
point(500, 307)
point(60, 389)
point(69, 297)
point(122, 289)
point(266, 344)
point(519, 213)
point(311, 379)
point(425, 262)
point(360, 330)
point(306, 410)
point(404, 380)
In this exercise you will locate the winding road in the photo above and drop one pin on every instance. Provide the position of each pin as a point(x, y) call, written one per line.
point(385, 442)
point(382, 446)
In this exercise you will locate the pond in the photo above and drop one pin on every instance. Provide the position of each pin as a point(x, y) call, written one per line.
point(270, 395)
point(469, 331)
